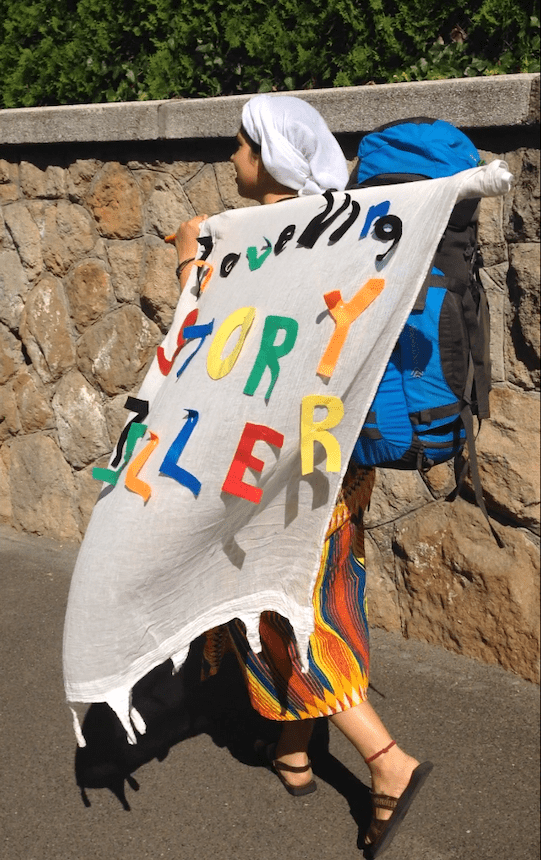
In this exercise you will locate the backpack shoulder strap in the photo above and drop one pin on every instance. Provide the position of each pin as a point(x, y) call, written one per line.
point(471, 465)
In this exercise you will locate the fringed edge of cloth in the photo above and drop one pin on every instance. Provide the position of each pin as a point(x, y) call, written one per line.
point(116, 691)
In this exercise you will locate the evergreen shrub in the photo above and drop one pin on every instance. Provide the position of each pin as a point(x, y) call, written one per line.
point(76, 51)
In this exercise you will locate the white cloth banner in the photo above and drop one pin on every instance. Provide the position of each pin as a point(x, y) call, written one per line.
point(220, 511)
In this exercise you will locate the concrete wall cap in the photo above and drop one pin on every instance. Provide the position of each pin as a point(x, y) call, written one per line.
point(483, 102)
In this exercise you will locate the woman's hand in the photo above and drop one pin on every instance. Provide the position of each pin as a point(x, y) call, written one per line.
point(185, 239)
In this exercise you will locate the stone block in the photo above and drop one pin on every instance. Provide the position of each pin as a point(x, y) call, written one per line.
point(80, 175)
point(6, 513)
point(42, 488)
point(37, 209)
point(115, 350)
point(489, 155)
point(523, 350)
point(145, 179)
point(395, 494)
point(381, 591)
point(125, 259)
point(6, 240)
point(46, 330)
point(90, 293)
point(460, 590)
point(14, 287)
point(184, 170)
point(227, 186)
point(161, 289)
point(508, 453)
point(525, 277)
point(10, 423)
point(68, 235)
point(490, 231)
point(116, 203)
point(56, 181)
point(9, 176)
point(521, 205)
point(9, 192)
point(495, 277)
point(80, 420)
point(35, 182)
point(440, 479)
point(8, 172)
point(352, 164)
point(203, 192)
point(26, 237)
point(167, 206)
point(11, 356)
point(179, 170)
point(35, 412)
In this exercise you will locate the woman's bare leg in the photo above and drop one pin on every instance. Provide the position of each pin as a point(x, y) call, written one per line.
point(390, 771)
point(292, 749)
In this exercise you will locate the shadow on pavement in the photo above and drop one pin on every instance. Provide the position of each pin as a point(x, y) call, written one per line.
point(174, 707)
point(177, 707)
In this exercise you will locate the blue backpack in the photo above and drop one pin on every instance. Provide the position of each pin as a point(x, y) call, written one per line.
point(438, 375)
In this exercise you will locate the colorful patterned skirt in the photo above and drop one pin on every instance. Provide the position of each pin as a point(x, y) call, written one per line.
point(338, 656)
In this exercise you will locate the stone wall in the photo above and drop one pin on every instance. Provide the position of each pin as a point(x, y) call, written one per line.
point(88, 288)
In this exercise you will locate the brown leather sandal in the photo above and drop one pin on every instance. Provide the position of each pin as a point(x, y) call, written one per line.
point(267, 753)
point(382, 831)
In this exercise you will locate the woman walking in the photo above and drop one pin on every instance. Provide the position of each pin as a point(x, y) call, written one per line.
point(285, 150)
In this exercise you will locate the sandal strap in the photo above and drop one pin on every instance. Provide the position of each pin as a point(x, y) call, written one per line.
point(376, 829)
point(281, 765)
point(384, 801)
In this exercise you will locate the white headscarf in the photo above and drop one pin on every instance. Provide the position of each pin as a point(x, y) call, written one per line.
point(297, 148)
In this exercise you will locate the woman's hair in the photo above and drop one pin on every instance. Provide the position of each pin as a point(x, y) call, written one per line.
point(255, 147)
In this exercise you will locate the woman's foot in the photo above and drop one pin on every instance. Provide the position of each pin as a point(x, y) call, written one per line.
point(395, 783)
point(293, 770)
point(301, 775)
point(396, 776)
point(391, 774)
point(291, 756)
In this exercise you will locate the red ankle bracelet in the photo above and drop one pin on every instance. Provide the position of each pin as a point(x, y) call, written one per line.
point(376, 755)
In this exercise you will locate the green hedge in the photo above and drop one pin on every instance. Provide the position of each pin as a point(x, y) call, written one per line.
point(70, 51)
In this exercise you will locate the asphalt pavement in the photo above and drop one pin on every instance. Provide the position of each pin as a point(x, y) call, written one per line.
point(192, 789)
